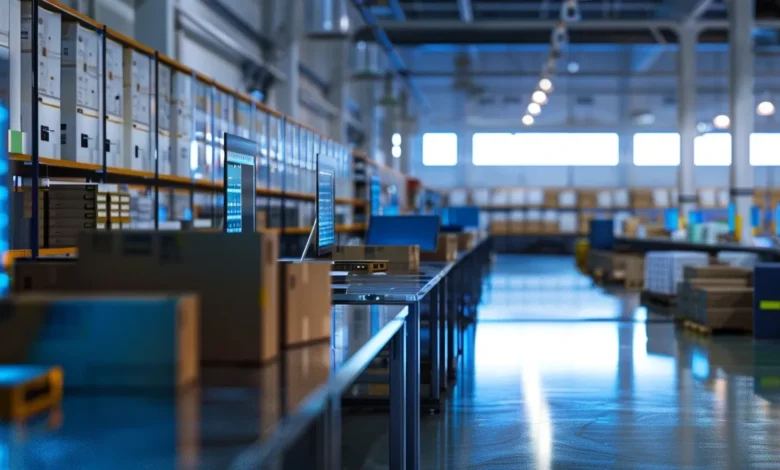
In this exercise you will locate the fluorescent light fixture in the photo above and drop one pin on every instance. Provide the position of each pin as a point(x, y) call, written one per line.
point(539, 97)
point(528, 119)
point(396, 139)
point(534, 109)
point(765, 108)
point(721, 121)
point(545, 85)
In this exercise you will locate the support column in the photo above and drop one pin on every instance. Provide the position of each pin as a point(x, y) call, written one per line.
point(157, 29)
point(686, 118)
point(289, 96)
point(741, 22)
point(339, 88)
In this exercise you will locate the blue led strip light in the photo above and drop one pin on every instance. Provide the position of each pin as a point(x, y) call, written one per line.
point(4, 280)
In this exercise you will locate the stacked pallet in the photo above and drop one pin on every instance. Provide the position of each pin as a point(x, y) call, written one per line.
point(612, 267)
point(716, 298)
point(664, 271)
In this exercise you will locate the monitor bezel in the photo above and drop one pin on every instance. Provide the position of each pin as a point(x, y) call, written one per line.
point(227, 137)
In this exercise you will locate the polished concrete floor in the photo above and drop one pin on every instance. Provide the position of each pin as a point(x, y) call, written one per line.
point(560, 374)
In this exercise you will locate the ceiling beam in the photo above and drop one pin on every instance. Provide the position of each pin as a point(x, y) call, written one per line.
point(397, 10)
point(466, 11)
point(698, 10)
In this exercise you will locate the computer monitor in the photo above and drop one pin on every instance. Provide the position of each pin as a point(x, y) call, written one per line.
point(376, 195)
point(404, 230)
point(326, 211)
point(240, 184)
point(465, 216)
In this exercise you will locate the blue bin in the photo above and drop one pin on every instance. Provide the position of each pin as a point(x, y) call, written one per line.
point(766, 301)
point(602, 234)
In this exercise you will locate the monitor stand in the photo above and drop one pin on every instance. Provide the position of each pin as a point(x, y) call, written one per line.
point(308, 240)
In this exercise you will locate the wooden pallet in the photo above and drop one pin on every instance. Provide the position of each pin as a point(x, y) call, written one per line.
point(664, 300)
point(28, 390)
point(706, 330)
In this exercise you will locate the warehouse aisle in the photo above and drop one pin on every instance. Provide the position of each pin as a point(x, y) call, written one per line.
point(561, 375)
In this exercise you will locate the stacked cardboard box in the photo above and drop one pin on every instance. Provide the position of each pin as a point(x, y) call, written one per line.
point(239, 305)
point(138, 342)
point(642, 199)
point(713, 276)
point(587, 199)
point(308, 303)
point(402, 259)
point(723, 307)
point(446, 249)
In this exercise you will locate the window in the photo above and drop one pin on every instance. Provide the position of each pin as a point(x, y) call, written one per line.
point(493, 149)
point(765, 149)
point(657, 149)
point(440, 149)
point(546, 149)
point(712, 149)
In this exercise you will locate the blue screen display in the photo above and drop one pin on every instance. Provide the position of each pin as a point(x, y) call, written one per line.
point(240, 192)
point(463, 216)
point(404, 230)
point(376, 195)
point(672, 219)
point(326, 225)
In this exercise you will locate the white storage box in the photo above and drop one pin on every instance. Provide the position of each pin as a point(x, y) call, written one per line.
point(567, 198)
point(664, 269)
point(738, 259)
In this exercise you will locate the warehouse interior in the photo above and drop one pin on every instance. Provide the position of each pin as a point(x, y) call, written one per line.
point(403, 234)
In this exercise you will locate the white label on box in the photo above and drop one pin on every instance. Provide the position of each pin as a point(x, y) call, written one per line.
point(535, 197)
point(707, 197)
point(661, 197)
point(604, 199)
point(567, 198)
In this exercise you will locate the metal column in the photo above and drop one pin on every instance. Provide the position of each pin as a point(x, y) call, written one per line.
point(289, 99)
point(741, 22)
point(686, 117)
point(158, 28)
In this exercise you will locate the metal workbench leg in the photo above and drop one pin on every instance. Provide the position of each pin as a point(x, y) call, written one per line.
point(398, 390)
point(413, 388)
point(433, 342)
point(453, 325)
point(334, 433)
point(444, 328)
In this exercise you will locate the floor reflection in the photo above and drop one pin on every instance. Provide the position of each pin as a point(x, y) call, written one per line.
point(539, 392)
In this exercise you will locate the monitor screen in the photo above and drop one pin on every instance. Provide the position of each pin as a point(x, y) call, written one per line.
point(376, 195)
point(404, 230)
point(326, 212)
point(240, 190)
point(465, 216)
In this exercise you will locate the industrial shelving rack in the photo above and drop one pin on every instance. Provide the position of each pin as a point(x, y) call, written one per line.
point(286, 153)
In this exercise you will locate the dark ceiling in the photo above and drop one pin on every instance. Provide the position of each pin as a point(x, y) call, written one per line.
point(412, 22)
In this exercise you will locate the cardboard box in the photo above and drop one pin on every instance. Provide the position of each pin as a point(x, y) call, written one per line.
point(105, 342)
point(42, 275)
point(446, 249)
point(234, 275)
point(465, 241)
point(402, 259)
point(718, 272)
point(587, 199)
point(551, 197)
point(308, 300)
point(642, 198)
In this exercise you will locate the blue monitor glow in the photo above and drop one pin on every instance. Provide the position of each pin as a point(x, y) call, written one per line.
point(376, 195)
point(672, 219)
point(326, 212)
point(240, 197)
point(404, 230)
point(755, 216)
point(465, 216)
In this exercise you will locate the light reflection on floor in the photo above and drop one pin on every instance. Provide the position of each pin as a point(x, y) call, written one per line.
point(543, 389)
